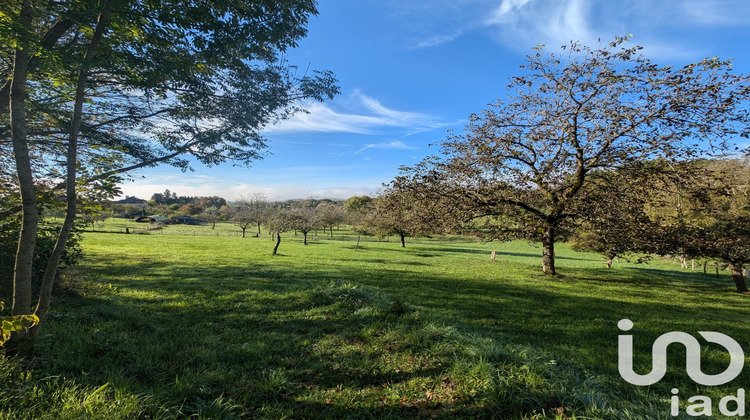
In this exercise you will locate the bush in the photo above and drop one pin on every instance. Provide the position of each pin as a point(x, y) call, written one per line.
point(9, 230)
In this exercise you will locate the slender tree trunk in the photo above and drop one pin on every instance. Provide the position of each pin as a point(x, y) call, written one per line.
point(243, 231)
point(609, 261)
point(738, 277)
point(548, 251)
point(258, 235)
point(50, 272)
point(358, 238)
point(705, 263)
point(278, 241)
point(403, 242)
point(304, 233)
point(30, 209)
point(331, 229)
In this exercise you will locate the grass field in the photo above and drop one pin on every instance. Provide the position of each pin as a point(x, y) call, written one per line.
point(174, 326)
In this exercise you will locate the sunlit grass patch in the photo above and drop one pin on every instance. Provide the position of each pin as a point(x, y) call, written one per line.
point(216, 327)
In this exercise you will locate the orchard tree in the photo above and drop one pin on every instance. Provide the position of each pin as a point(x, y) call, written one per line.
point(329, 215)
point(243, 218)
point(112, 86)
point(253, 209)
point(527, 158)
point(705, 213)
point(614, 221)
point(358, 213)
point(409, 208)
point(213, 214)
point(280, 220)
point(305, 218)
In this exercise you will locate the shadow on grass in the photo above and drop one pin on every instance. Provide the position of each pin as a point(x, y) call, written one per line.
point(189, 333)
point(419, 250)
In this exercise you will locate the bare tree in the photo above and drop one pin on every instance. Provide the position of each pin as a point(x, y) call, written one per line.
point(251, 210)
point(329, 215)
point(280, 220)
point(305, 218)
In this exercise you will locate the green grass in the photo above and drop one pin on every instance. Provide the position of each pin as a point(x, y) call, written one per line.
point(215, 327)
point(117, 225)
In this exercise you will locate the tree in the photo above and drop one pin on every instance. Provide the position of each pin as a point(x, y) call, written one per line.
point(357, 204)
point(358, 212)
point(280, 220)
point(243, 218)
point(526, 159)
point(329, 215)
point(704, 212)
point(614, 221)
point(112, 86)
point(213, 214)
point(305, 218)
point(252, 210)
point(409, 208)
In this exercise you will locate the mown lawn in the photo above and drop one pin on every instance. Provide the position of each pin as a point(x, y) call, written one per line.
point(167, 326)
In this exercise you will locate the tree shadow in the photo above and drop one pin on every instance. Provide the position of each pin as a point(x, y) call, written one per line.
point(185, 332)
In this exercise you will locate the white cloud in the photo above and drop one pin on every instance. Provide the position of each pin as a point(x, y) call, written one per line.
point(504, 12)
point(526, 23)
point(394, 145)
point(717, 12)
point(322, 118)
point(661, 27)
point(210, 186)
point(366, 115)
point(436, 40)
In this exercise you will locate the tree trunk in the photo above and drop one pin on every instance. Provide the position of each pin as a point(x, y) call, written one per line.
point(738, 277)
point(609, 261)
point(548, 251)
point(403, 242)
point(304, 241)
point(331, 229)
point(50, 271)
point(705, 263)
point(243, 231)
point(278, 241)
point(22, 270)
point(258, 235)
point(358, 238)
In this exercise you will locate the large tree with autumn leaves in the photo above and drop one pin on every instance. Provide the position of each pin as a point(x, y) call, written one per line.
point(528, 159)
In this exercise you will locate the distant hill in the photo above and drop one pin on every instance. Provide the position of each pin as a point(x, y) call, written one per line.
point(131, 200)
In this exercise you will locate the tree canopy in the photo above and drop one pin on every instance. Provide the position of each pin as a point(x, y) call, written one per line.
point(109, 86)
point(528, 159)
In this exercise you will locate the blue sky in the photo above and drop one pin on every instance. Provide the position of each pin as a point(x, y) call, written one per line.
point(411, 70)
